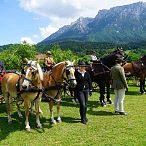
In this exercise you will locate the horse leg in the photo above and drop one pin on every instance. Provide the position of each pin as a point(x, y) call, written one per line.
point(18, 108)
point(37, 108)
point(102, 92)
point(52, 120)
point(26, 105)
point(108, 93)
point(58, 112)
point(9, 102)
point(144, 85)
point(141, 85)
point(31, 107)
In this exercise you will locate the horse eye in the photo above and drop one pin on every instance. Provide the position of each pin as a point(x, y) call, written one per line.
point(23, 71)
point(67, 72)
point(33, 73)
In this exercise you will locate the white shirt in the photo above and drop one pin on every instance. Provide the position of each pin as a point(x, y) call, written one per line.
point(93, 57)
point(82, 73)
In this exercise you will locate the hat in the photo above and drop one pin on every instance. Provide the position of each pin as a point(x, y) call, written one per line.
point(119, 60)
point(82, 63)
point(49, 52)
point(120, 49)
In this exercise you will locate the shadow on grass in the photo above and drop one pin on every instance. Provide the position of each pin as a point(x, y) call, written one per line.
point(67, 101)
point(6, 129)
point(2, 108)
point(18, 124)
point(91, 104)
point(100, 113)
point(133, 93)
point(70, 120)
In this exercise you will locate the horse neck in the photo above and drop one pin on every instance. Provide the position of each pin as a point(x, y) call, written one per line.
point(55, 76)
point(109, 60)
point(37, 81)
point(128, 67)
point(143, 59)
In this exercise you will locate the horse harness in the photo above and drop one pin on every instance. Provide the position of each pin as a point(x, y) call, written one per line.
point(21, 91)
point(58, 85)
point(103, 69)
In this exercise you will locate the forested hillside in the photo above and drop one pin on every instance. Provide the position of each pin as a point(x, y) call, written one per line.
point(13, 54)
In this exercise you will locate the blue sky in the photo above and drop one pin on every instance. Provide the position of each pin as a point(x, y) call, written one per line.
point(34, 20)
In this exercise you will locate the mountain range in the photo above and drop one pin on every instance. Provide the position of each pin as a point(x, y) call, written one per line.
point(121, 24)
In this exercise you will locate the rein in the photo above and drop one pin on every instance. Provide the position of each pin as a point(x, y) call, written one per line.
point(58, 86)
point(19, 92)
point(103, 65)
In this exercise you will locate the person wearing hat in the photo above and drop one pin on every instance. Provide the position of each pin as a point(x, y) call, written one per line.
point(93, 57)
point(49, 62)
point(83, 88)
point(119, 85)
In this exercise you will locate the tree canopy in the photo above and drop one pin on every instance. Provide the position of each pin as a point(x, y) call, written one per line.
point(13, 56)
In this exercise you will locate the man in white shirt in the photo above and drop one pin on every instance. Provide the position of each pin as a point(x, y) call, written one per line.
point(93, 57)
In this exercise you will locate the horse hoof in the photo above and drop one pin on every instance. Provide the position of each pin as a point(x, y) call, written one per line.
point(28, 129)
point(103, 104)
point(20, 116)
point(39, 126)
point(53, 122)
point(9, 122)
point(109, 101)
point(59, 121)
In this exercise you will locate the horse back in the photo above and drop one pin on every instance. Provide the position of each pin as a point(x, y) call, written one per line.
point(9, 83)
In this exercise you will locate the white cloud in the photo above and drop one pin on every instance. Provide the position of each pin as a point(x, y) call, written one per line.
point(63, 12)
point(70, 8)
point(35, 36)
point(27, 40)
point(50, 8)
point(46, 31)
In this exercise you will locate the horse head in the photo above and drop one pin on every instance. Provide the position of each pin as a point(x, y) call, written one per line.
point(33, 74)
point(110, 59)
point(68, 74)
point(143, 59)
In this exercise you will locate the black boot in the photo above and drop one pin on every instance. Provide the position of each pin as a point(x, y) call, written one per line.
point(103, 103)
point(109, 100)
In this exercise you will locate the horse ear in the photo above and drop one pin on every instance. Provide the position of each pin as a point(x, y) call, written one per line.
point(65, 62)
point(37, 60)
point(73, 62)
point(26, 60)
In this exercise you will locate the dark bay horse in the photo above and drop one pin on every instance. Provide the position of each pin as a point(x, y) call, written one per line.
point(52, 85)
point(24, 88)
point(137, 69)
point(100, 73)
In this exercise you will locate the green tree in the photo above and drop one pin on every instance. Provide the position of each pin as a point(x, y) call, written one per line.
point(13, 56)
point(60, 55)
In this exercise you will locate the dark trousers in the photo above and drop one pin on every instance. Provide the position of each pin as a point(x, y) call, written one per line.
point(83, 99)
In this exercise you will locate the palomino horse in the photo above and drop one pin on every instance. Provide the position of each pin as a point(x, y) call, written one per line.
point(52, 84)
point(137, 69)
point(100, 74)
point(25, 88)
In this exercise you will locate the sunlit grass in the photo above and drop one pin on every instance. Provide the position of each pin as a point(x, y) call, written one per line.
point(103, 129)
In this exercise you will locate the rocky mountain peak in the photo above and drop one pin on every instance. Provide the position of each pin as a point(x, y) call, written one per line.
point(118, 24)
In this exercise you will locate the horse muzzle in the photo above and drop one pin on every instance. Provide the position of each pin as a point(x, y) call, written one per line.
point(72, 83)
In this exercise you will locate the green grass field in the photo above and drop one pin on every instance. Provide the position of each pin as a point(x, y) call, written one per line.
point(103, 129)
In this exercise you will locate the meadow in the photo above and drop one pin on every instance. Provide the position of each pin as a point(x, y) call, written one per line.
point(103, 129)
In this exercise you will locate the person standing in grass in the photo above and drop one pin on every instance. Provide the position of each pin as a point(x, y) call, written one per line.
point(83, 88)
point(119, 85)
